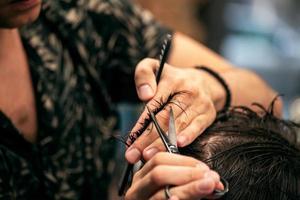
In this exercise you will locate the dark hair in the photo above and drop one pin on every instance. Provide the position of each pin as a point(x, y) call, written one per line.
point(256, 153)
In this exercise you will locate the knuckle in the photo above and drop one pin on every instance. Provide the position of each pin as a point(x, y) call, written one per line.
point(156, 160)
point(148, 60)
point(194, 189)
point(137, 176)
point(130, 195)
point(192, 91)
point(204, 100)
point(195, 90)
point(143, 65)
point(187, 193)
point(196, 173)
point(199, 121)
point(155, 175)
point(207, 102)
point(191, 174)
point(141, 69)
point(202, 122)
point(181, 123)
point(202, 167)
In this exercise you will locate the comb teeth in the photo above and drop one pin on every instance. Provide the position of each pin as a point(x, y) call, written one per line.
point(165, 46)
point(164, 52)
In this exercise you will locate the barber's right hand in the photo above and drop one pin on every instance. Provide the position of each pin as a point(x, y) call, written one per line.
point(189, 179)
point(190, 92)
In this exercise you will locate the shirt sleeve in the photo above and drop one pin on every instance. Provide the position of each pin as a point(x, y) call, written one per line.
point(128, 34)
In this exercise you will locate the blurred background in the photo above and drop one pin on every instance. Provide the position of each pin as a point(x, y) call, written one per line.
point(260, 35)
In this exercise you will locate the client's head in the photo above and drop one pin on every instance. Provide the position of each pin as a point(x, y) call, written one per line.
point(256, 154)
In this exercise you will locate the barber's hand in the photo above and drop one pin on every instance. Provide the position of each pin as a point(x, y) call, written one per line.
point(188, 179)
point(194, 107)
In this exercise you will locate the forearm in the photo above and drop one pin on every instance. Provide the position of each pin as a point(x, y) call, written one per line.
point(246, 87)
point(186, 52)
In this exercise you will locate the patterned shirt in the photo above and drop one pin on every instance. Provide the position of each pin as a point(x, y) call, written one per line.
point(82, 55)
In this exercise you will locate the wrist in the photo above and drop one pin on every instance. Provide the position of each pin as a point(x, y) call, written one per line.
point(219, 90)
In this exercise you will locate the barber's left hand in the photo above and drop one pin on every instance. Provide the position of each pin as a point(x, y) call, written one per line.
point(194, 106)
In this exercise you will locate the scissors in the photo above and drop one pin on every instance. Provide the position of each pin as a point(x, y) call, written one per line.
point(163, 58)
point(170, 143)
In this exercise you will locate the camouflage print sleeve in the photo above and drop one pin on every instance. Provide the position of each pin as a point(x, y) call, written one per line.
point(128, 35)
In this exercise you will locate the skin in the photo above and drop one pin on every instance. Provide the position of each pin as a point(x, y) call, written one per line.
point(13, 18)
point(16, 84)
point(204, 97)
point(195, 180)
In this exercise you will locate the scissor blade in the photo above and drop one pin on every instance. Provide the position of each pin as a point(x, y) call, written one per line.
point(172, 131)
point(161, 133)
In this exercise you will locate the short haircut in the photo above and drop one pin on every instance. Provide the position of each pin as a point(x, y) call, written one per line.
point(256, 153)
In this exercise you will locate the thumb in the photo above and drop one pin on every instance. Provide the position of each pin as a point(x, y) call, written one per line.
point(145, 82)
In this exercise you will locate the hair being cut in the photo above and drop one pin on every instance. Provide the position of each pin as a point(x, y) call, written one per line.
point(256, 153)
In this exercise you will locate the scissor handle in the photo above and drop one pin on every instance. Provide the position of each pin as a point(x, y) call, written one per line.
point(220, 193)
point(173, 149)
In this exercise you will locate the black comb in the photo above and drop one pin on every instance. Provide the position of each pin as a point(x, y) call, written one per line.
point(164, 53)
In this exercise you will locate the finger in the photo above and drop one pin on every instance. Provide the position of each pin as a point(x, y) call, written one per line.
point(187, 116)
point(203, 106)
point(192, 117)
point(164, 175)
point(198, 189)
point(145, 79)
point(184, 119)
point(145, 138)
point(159, 105)
point(196, 127)
point(164, 158)
point(142, 140)
point(157, 145)
point(154, 148)
point(188, 135)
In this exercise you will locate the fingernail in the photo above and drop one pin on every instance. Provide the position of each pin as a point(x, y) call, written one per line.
point(149, 153)
point(220, 186)
point(181, 140)
point(133, 155)
point(145, 91)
